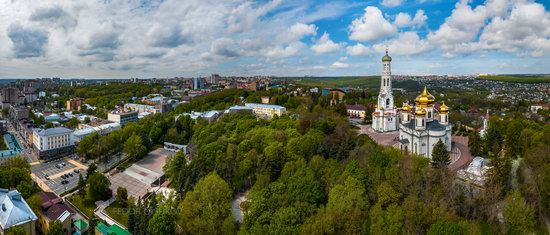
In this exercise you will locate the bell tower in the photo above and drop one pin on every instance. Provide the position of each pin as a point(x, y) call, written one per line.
point(385, 98)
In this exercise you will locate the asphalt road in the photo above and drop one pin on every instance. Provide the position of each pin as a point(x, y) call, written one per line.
point(54, 173)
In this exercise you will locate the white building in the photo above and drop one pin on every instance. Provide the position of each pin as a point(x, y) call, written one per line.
point(208, 115)
point(483, 129)
point(264, 111)
point(141, 108)
point(122, 117)
point(52, 138)
point(423, 127)
point(535, 107)
point(384, 117)
point(176, 147)
point(476, 174)
point(356, 111)
point(104, 129)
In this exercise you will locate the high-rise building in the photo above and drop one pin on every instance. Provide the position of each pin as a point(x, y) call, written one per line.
point(214, 78)
point(74, 104)
point(198, 83)
point(10, 95)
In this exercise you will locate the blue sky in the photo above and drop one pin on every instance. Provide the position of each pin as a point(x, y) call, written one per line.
point(167, 38)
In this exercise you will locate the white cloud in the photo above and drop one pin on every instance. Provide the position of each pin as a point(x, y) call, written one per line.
point(391, 3)
point(339, 65)
point(299, 30)
point(371, 26)
point(407, 43)
point(526, 28)
point(462, 26)
point(404, 19)
point(285, 51)
point(153, 38)
point(325, 45)
point(359, 50)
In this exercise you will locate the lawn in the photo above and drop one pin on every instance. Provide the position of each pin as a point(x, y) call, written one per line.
point(84, 204)
point(518, 78)
point(118, 213)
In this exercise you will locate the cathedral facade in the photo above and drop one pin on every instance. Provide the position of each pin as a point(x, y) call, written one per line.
point(422, 126)
point(384, 117)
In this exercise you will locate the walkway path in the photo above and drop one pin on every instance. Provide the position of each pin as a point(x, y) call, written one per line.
point(100, 212)
point(386, 139)
point(461, 143)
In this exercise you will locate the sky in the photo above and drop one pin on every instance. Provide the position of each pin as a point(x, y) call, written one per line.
point(169, 38)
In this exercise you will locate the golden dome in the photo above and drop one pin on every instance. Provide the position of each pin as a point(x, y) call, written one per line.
point(420, 112)
point(425, 99)
point(443, 108)
point(406, 108)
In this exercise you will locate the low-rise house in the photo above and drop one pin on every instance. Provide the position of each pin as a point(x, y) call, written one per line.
point(208, 115)
point(122, 117)
point(54, 208)
point(535, 107)
point(102, 229)
point(356, 111)
point(80, 227)
point(264, 111)
point(15, 211)
point(176, 147)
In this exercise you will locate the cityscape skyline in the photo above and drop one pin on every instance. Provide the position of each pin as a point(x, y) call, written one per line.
point(114, 39)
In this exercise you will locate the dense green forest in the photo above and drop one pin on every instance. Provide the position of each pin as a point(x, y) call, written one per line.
point(310, 173)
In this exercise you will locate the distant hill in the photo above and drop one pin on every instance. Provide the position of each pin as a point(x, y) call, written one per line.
point(518, 78)
point(356, 81)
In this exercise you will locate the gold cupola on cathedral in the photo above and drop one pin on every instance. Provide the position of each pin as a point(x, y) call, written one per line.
point(425, 99)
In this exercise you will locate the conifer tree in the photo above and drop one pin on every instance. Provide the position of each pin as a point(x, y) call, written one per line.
point(440, 155)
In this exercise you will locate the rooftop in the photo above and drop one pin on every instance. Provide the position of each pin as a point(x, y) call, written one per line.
point(112, 230)
point(14, 209)
point(356, 107)
point(265, 106)
point(432, 126)
point(52, 131)
point(53, 206)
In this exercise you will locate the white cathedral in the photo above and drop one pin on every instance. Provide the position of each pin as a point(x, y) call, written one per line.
point(384, 117)
point(420, 127)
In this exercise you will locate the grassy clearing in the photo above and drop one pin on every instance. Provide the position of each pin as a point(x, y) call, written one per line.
point(118, 213)
point(84, 204)
point(518, 78)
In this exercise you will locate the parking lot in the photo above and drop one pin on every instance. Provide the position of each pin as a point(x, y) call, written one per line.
point(50, 175)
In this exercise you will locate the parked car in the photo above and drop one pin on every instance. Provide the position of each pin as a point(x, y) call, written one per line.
point(76, 171)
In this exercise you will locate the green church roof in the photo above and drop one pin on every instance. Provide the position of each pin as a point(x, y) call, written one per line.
point(386, 57)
